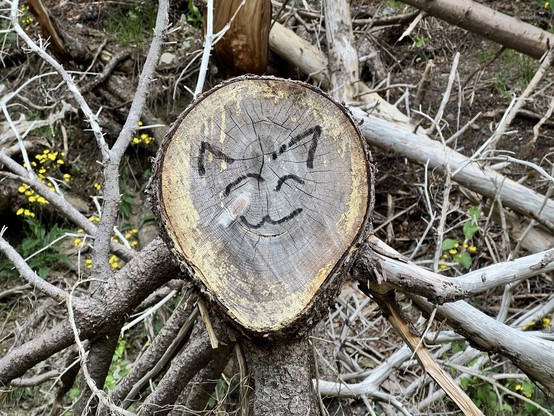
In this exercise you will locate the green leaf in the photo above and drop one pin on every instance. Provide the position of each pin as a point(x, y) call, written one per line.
point(470, 229)
point(463, 259)
point(448, 243)
point(474, 213)
point(528, 388)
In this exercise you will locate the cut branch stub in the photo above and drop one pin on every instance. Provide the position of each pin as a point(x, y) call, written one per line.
point(264, 188)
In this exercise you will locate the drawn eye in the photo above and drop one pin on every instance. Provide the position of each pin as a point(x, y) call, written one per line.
point(282, 180)
point(239, 180)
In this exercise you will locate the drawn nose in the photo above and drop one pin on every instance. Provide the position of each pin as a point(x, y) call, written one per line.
point(238, 207)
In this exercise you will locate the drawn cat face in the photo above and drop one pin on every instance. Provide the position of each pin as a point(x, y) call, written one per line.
point(263, 188)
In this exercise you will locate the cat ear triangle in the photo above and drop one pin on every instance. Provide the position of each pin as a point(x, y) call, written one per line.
point(315, 132)
point(218, 154)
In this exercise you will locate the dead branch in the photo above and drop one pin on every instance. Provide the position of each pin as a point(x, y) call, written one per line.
point(531, 354)
point(195, 356)
point(484, 181)
point(506, 30)
point(124, 291)
point(397, 271)
point(393, 312)
point(112, 157)
point(342, 58)
point(163, 348)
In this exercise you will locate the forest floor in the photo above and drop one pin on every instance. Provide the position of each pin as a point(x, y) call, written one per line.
point(485, 84)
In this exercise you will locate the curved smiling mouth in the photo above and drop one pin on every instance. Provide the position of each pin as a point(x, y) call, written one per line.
point(267, 219)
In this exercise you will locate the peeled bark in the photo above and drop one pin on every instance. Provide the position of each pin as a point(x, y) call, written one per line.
point(244, 48)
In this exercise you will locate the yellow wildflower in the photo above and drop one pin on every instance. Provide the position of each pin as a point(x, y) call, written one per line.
point(473, 249)
point(20, 211)
point(452, 251)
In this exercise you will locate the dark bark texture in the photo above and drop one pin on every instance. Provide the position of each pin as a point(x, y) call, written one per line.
point(282, 378)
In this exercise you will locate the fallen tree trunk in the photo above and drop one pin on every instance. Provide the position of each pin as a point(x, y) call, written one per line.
point(508, 31)
point(421, 149)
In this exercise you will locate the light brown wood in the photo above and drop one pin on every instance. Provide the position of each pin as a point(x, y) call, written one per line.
point(244, 47)
point(265, 188)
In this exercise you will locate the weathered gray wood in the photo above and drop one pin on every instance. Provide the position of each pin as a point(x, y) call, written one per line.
point(265, 188)
point(420, 148)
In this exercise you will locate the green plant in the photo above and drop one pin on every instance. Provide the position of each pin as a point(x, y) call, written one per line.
point(35, 238)
point(394, 5)
point(483, 395)
point(517, 69)
point(132, 23)
point(221, 389)
point(420, 41)
point(194, 17)
point(119, 367)
point(460, 251)
point(528, 69)
point(500, 83)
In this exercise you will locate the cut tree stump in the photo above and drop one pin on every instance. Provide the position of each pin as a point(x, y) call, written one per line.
point(264, 190)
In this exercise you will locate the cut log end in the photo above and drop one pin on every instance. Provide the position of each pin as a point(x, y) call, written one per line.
point(264, 190)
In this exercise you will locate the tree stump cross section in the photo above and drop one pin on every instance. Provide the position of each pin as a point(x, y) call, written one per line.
point(264, 190)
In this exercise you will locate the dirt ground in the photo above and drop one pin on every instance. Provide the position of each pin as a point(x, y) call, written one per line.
point(484, 85)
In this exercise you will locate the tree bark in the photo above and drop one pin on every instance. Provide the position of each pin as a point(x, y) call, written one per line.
point(124, 291)
point(193, 358)
point(282, 378)
point(508, 31)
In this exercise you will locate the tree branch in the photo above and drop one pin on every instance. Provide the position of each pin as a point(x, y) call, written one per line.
point(508, 31)
point(123, 292)
point(28, 274)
